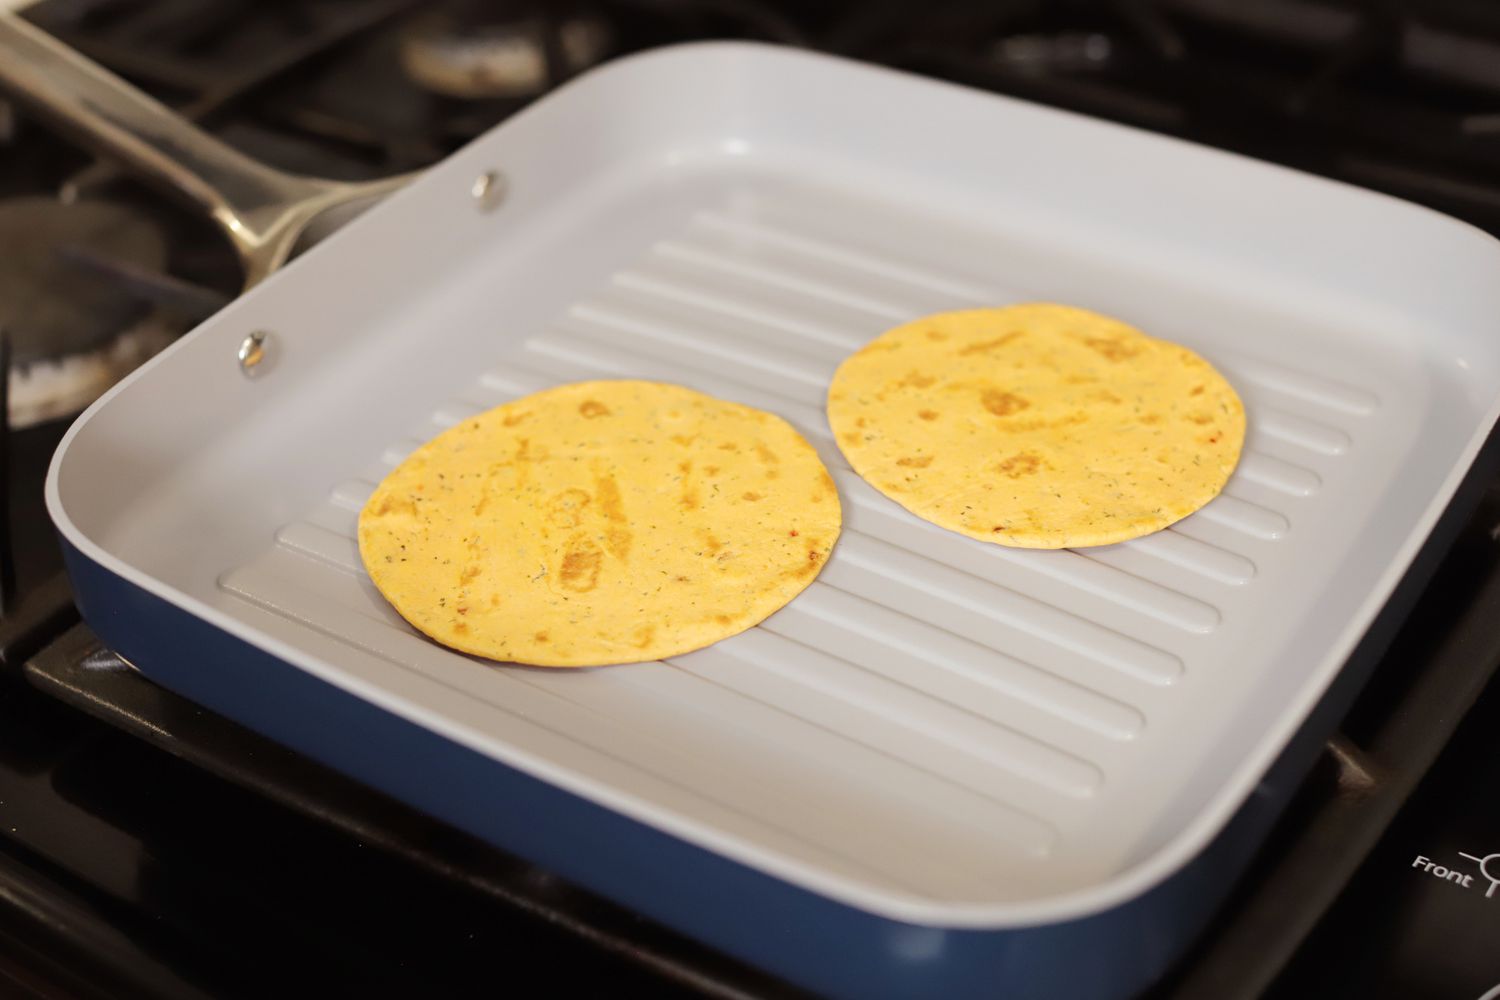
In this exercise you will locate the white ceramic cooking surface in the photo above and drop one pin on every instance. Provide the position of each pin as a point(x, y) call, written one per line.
point(938, 729)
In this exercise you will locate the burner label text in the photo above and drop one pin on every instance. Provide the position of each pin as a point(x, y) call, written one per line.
point(1438, 871)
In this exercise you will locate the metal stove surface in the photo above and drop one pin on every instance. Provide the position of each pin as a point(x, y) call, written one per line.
point(150, 848)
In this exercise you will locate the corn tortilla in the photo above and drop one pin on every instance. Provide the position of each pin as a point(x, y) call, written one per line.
point(1037, 426)
point(601, 522)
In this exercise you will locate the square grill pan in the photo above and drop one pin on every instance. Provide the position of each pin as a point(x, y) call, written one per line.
point(940, 741)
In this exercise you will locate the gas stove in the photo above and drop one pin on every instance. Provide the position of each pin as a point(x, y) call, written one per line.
point(150, 847)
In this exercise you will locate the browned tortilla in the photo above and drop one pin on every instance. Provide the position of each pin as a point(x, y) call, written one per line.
point(1039, 426)
point(602, 522)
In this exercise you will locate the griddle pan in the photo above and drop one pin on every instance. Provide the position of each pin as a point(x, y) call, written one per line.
point(947, 768)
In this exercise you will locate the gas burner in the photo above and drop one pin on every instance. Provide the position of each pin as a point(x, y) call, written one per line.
point(73, 335)
point(503, 51)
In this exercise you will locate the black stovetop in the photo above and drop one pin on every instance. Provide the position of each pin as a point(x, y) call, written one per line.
point(150, 848)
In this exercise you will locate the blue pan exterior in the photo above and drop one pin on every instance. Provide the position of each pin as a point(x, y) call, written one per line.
point(808, 939)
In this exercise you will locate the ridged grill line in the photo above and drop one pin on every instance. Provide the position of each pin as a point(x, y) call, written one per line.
point(1115, 585)
point(676, 292)
point(1092, 576)
point(1060, 773)
point(867, 566)
point(1245, 517)
point(1170, 546)
point(781, 279)
point(1024, 828)
point(881, 267)
point(922, 645)
point(1327, 393)
point(1278, 474)
point(711, 670)
point(606, 341)
point(668, 341)
point(1174, 548)
point(846, 685)
point(838, 341)
point(598, 354)
point(599, 359)
point(1310, 435)
point(994, 601)
point(968, 661)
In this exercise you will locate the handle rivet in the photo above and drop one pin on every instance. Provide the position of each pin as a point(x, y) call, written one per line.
point(253, 351)
point(488, 190)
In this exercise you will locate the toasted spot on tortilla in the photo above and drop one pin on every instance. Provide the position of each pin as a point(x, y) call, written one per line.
point(1002, 404)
